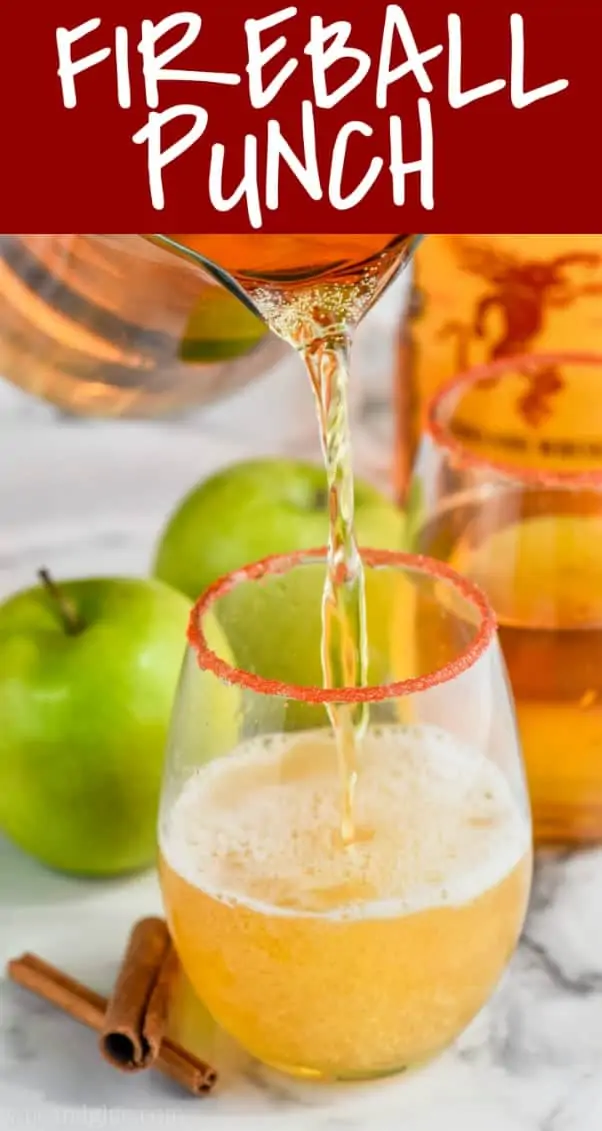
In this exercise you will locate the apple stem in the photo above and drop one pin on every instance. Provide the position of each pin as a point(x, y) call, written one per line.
point(66, 609)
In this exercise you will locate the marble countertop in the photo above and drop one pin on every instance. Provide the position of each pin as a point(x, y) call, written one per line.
point(85, 498)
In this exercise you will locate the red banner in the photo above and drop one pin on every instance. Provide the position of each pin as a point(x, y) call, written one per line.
point(330, 116)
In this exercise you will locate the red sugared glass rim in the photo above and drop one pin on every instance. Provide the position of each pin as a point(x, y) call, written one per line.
point(441, 434)
point(283, 563)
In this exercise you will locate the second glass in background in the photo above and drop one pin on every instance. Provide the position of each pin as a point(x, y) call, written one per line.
point(507, 488)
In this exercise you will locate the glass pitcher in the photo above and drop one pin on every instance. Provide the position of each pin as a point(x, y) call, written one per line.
point(117, 326)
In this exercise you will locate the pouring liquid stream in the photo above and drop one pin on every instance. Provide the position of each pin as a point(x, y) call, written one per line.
point(344, 644)
point(312, 291)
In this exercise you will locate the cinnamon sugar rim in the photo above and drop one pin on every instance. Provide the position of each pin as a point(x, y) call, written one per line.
point(283, 563)
point(443, 437)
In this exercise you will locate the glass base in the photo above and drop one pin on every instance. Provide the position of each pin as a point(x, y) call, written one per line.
point(342, 1076)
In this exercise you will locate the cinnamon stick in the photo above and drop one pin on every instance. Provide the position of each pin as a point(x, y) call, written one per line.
point(89, 1008)
point(137, 1008)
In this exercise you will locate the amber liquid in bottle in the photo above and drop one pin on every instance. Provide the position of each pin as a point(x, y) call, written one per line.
point(481, 298)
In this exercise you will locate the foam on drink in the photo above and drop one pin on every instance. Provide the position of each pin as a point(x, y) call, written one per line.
point(437, 826)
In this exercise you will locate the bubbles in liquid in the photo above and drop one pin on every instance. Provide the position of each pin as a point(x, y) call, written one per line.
point(261, 827)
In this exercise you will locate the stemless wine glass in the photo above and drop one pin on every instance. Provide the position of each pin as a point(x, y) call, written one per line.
point(507, 488)
point(327, 959)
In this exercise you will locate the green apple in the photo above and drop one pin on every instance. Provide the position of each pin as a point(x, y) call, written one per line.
point(88, 672)
point(264, 507)
point(261, 507)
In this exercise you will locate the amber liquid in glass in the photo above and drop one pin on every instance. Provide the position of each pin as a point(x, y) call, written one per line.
point(272, 917)
point(536, 553)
